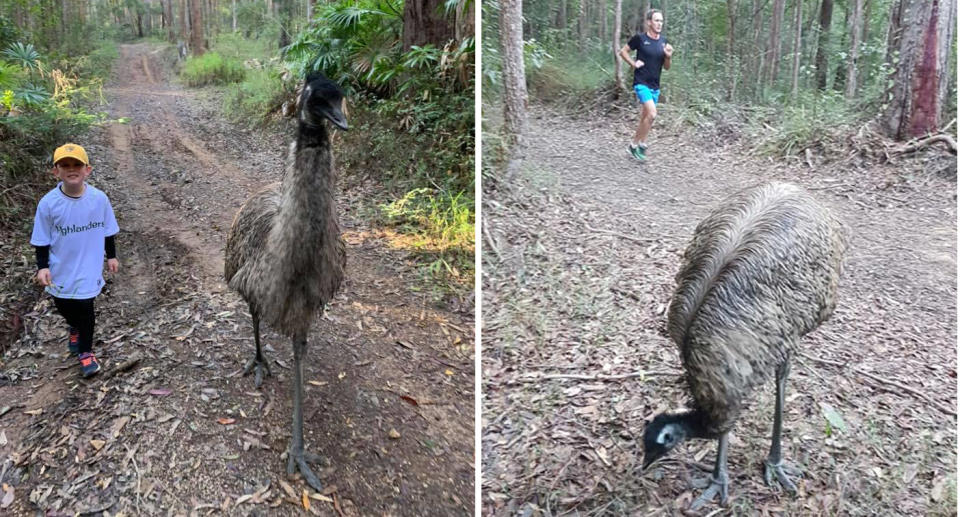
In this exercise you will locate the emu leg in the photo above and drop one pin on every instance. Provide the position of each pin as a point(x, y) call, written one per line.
point(774, 465)
point(258, 364)
point(719, 481)
point(298, 459)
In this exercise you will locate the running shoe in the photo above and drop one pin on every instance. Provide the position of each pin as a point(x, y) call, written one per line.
point(638, 153)
point(88, 364)
point(73, 342)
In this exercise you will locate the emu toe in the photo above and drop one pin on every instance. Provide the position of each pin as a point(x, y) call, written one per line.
point(713, 485)
point(301, 461)
point(781, 471)
point(258, 366)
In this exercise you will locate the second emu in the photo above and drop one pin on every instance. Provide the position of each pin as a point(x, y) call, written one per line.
point(761, 271)
point(284, 254)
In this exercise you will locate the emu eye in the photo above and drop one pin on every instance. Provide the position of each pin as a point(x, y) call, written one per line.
point(668, 438)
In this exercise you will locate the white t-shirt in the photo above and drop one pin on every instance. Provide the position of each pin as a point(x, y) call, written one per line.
point(75, 229)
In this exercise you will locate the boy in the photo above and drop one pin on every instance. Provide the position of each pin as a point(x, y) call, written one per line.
point(73, 228)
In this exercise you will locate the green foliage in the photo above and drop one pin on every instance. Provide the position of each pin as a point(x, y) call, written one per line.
point(32, 136)
point(211, 68)
point(8, 32)
point(257, 96)
point(43, 104)
point(440, 224)
point(813, 121)
point(26, 56)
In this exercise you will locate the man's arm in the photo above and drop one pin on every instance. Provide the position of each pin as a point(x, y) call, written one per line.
point(668, 53)
point(625, 55)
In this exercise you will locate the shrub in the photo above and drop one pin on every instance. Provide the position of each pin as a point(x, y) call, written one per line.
point(211, 68)
point(257, 96)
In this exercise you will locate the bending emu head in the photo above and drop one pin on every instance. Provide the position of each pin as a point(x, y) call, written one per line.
point(321, 99)
point(664, 433)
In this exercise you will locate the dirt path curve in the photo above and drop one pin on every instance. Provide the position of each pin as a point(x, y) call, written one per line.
point(389, 402)
point(579, 283)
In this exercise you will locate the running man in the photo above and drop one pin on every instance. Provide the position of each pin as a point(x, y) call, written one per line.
point(653, 55)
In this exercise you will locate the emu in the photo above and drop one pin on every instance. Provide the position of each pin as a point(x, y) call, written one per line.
point(284, 253)
point(761, 271)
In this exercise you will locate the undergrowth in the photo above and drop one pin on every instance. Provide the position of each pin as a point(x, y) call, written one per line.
point(212, 68)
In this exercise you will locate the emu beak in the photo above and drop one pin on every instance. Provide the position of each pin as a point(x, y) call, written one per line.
point(337, 119)
point(336, 116)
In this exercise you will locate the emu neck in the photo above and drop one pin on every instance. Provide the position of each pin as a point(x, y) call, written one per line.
point(308, 209)
point(696, 424)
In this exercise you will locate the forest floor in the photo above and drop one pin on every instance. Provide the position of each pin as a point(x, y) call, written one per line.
point(390, 372)
point(579, 259)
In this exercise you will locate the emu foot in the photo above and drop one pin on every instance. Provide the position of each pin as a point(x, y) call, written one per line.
point(258, 366)
point(782, 472)
point(712, 485)
point(301, 461)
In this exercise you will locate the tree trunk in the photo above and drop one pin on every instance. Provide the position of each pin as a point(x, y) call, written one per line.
point(603, 20)
point(757, 59)
point(581, 24)
point(617, 66)
point(797, 49)
point(424, 22)
point(196, 28)
point(184, 35)
point(514, 81)
point(562, 15)
point(634, 19)
point(840, 72)
point(774, 46)
point(168, 19)
point(826, 16)
point(731, 45)
point(465, 25)
point(285, 16)
point(854, 48)
point(920, 80)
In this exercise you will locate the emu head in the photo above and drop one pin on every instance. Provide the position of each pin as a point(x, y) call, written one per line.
point(664, 433)
point(321, 99)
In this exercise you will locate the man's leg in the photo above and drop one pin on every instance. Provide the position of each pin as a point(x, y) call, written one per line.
point(646, 122)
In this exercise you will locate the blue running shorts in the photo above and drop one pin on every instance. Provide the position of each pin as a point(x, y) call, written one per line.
point(644, 93)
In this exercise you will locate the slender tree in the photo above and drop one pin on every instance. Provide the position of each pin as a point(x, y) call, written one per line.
point(514, 81)
point(826, 18)
point(854, 49)
point(197, 46)
point(617, 67)
point(797, 48)
point(774, 45)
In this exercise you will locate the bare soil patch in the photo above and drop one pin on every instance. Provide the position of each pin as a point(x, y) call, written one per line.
point(578, 272)
point(389, 398)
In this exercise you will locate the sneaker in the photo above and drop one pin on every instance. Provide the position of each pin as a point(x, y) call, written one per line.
point(73, 341)
point(638, 153)
point(88, 364)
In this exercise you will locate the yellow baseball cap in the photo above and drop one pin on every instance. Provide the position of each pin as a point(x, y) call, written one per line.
point(70, 151)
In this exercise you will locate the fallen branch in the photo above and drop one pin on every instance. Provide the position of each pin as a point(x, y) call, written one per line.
point(908, 389)
point(124, 366)
point(485, 228)
point(595, 377)
point(916, 146)
point(622, 235)
point(628, 294)
point(903, 387)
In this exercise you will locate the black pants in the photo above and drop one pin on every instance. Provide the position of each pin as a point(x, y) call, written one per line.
point(79, 315)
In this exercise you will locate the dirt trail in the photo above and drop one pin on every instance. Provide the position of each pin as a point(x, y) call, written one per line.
point(578, 285)
point(389, 403)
